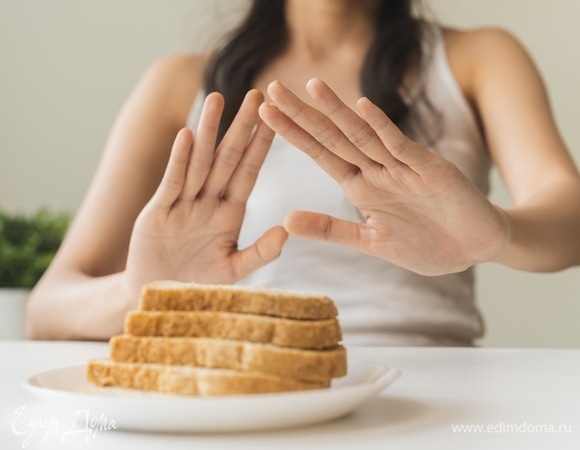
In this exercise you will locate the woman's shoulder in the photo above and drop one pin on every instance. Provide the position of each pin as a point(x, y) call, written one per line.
point(480, 40)
point(474, 54)
point(172, 82)
point(179, 66)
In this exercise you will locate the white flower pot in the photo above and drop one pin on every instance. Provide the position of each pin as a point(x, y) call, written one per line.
point(12, 313)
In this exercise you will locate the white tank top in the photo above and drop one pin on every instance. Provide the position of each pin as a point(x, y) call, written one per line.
point(379, 303)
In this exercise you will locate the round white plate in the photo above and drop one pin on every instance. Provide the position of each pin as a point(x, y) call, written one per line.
point(137, 410)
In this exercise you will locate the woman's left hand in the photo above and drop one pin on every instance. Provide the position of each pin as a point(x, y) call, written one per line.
point(420, 211)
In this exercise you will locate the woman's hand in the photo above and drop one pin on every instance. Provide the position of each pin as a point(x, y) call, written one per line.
point(189, 229)
point(420, 211)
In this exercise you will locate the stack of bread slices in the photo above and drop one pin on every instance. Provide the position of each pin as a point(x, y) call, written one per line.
point(194, 339)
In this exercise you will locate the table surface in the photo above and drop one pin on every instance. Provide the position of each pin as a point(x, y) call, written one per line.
point(511, 398)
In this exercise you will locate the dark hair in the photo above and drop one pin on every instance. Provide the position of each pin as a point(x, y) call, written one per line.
point(263, 34)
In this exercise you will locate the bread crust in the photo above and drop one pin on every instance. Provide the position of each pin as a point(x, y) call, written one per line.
point(192, 380)
point(229, 354)
point(177, 296)
point(311, 334)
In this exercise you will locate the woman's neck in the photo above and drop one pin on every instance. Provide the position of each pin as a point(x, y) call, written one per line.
point(321, 28)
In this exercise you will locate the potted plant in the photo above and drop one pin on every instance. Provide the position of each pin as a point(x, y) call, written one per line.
point(27, 245)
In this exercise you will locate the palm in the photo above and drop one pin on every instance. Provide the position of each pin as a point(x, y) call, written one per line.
point(420, 211)
point(191, 242)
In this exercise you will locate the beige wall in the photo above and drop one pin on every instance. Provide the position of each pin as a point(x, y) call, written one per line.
point(66, 67)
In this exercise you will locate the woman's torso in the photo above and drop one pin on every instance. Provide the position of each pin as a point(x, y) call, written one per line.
point(379, 303)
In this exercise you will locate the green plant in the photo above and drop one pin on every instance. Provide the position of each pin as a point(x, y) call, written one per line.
point(28, 244)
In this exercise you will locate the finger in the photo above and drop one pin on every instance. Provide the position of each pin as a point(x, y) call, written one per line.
point(335, 166)
point(204, 146)
point(266, 249)
point(400, 146)
point(358, 131)
point(318, 125)
point(244, 178)
point(323, 227)
point(233, 145)
point(173, 180)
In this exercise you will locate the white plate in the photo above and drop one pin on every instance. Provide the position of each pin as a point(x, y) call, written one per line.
point(129, 409)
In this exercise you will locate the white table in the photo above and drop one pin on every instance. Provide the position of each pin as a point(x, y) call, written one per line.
point(521, 399)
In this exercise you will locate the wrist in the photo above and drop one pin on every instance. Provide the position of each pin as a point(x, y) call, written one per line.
point(500, 247)
point(130, 291)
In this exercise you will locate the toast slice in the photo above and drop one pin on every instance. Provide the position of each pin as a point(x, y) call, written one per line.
point(191, 380)
point(229, 354)
point(310, 334)
point(179, 296)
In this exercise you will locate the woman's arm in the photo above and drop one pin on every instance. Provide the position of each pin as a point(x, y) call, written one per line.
point(81, 294)
point(420, 212)
point(157, 208)
point(507, 91)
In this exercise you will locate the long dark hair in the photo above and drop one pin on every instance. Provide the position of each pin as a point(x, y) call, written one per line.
point(263, 34)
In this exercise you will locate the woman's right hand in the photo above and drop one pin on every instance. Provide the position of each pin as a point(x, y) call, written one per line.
point(189, 229)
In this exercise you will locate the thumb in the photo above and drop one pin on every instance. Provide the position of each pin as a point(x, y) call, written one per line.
point(323, 227)
point(266, 249)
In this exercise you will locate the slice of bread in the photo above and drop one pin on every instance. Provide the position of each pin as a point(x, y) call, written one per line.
point(178, 296)
point(307, 334)
point(191, 380)
point(229, 354)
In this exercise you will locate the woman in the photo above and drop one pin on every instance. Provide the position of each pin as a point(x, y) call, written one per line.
point(410, 217)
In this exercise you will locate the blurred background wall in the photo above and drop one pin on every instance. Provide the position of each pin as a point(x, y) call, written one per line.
point(67, 66)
